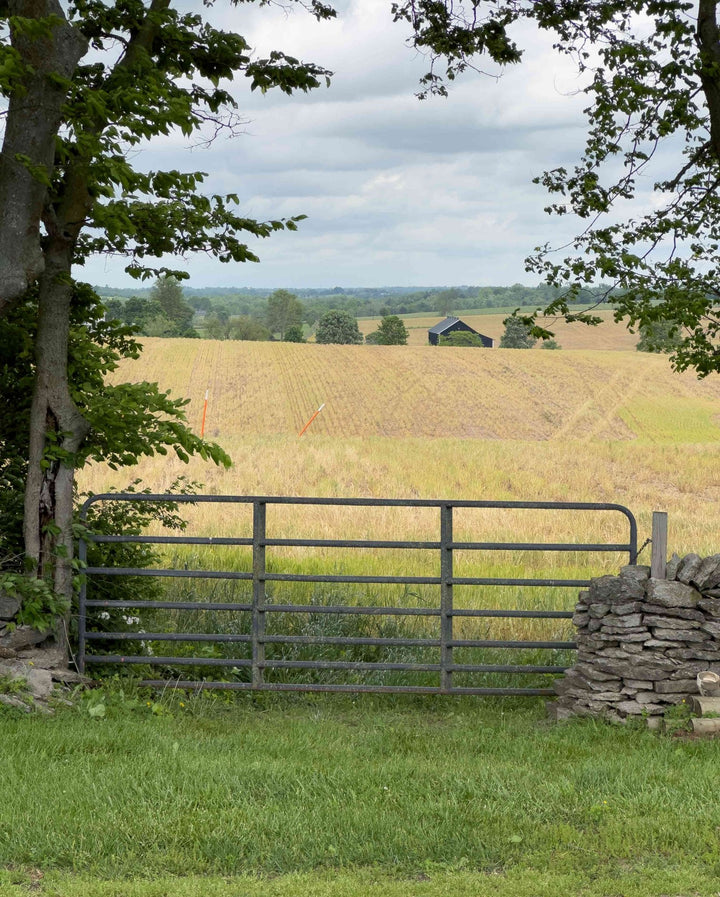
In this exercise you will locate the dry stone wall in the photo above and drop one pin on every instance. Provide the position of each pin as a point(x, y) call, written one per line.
point(31, 661)
point(15, 639)
point(642, 641)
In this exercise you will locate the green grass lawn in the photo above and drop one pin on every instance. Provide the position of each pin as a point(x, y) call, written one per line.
point(321, 795)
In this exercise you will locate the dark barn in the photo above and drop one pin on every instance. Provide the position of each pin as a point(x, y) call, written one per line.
point(451, 324)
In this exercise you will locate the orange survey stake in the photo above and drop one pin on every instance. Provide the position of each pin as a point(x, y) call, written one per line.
point(311, 419)
point(202, 425)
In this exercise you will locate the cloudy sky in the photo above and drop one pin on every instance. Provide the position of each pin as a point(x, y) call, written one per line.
point(397, 191)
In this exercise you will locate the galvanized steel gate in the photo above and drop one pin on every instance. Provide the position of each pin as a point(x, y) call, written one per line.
point(261, 606)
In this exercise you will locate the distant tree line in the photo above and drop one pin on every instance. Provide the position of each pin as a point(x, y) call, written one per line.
point(165, 311)
point(254, 305)
point(168, 310)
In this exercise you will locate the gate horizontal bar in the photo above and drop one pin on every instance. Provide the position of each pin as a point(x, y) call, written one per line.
point(159, 660)
point(537, 546)
point(347, 543)
point(505, 668)
point(496, 643)
point(352, 609)
point(326, 577)
point(281, 663)
point(350, 640)
point(475, 581)
point(362, 689)
point(354, 502)
point(532, 614)
point(177, 574)
point(359, 543)
point(166, 637)
point(340, 578)
point(168, 605)
point(270, 663)
point(171, 540)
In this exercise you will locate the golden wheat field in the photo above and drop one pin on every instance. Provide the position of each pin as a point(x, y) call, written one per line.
point(423, 422)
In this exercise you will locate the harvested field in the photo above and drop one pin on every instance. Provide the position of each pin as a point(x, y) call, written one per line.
point(425, 392)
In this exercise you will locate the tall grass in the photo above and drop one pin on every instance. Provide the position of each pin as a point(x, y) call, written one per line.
point(673, 476)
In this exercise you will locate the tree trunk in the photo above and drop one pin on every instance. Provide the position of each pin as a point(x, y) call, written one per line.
point(28, 150)
point(57, 427)
point(57, 431)
point(708, 41)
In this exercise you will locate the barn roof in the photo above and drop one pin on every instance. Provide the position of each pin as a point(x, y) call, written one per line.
point(448, 322)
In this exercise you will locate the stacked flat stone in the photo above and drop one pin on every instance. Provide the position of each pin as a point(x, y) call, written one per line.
point(33, 659)
point(14, 639)
point(642, 641)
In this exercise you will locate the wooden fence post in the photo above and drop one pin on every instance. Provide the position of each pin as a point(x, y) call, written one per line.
point(658, 560)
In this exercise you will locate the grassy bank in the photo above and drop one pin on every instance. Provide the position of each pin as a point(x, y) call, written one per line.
point(349, 796)
point(367, 883)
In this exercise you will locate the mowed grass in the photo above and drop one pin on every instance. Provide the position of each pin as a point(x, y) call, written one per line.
point(380, 796)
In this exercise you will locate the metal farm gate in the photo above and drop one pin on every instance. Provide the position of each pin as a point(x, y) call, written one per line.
point(258, 662)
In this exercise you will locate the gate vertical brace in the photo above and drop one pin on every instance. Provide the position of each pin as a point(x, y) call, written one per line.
point(82, 607)
point(658, 559)
point(258, 611)
point(446, 596)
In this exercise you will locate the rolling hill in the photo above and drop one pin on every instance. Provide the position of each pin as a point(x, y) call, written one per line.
point(396, 391)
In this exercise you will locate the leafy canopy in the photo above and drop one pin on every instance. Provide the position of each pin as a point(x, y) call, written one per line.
point(153, 70)
point(295, 334)
point(658, 336)
point(284, 310)
point(517, 335)
point(338, 327)
point(391, 331)
point(71, 185)
point(462, 338)
point(128, 421)
point(651, 74)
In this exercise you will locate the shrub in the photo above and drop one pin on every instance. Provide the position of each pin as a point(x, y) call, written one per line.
point(294, 334)
point(517, 335)
point(391, 332)
point(660, 336)
point(462, 338)
point(338, 327)
point(127, 519)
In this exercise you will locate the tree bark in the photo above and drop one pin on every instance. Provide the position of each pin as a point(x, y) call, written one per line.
point(33, 119)
point(708, 41)
point(53, 417)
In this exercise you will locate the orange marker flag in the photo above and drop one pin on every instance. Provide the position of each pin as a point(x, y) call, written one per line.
point(311, 419)
point(202, 426)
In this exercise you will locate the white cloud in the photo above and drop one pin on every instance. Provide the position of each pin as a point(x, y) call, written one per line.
point(397, 191)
